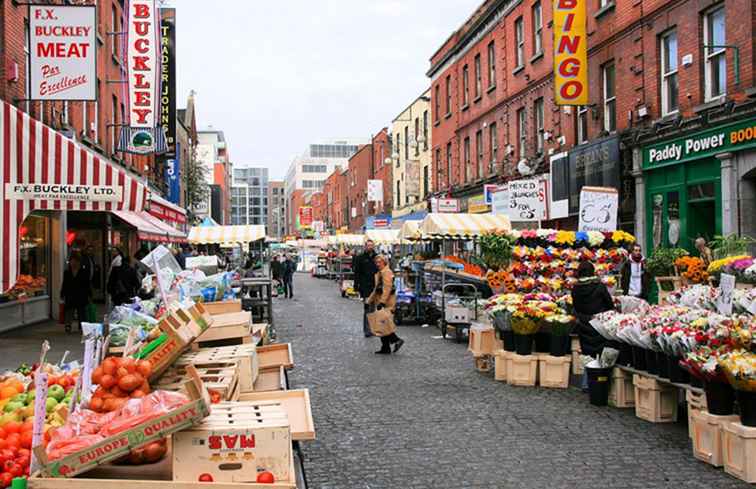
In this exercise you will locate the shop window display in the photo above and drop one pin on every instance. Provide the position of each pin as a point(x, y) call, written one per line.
point(34, 267)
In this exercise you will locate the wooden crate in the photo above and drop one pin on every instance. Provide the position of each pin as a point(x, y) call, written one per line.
point(270, 379)
point(297, 405)
point(621, 390)
point(554, 372)
point(222, 307)
point(276, 355)
point(482, 340)
point(245, 355)
point(500, 365)
point(201, 316)
point(483, 363)
point(577, 365)
point(739, 451)
point(707, 436)
point(654, 401)
point(222, 377)
point(522, 369)
point(230, 328)
point(696, 403)
point(234, 442)
point(179, 337)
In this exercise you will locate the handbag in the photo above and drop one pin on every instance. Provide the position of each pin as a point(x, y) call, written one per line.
point(381, 322)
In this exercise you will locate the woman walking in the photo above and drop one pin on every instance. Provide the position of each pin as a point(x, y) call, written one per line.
point(384, 296)
point(75, 291)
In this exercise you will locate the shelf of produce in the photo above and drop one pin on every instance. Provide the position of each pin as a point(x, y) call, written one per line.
point(697, 390)
point(277, 355)
point(297, 405)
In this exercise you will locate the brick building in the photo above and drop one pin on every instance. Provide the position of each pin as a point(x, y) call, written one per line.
point(380, 170)
point(356, 195)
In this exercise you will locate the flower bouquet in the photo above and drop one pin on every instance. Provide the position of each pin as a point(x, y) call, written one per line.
point(692, 269)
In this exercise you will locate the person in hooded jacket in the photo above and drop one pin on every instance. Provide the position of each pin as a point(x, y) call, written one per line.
point(590, 297)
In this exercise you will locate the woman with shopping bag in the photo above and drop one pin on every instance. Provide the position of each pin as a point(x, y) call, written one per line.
point(384, 299)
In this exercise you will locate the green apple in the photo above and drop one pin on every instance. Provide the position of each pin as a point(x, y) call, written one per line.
point(31, 395)
point(56, 392)
point(22, 398)
point(50, 404)
point(13, 406)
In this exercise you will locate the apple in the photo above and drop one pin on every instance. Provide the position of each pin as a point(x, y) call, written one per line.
point(13, 406)
point(56, 392)
point(22, 398)
point(50, 404)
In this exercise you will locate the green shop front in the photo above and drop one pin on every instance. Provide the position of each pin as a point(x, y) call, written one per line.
point(700, 185)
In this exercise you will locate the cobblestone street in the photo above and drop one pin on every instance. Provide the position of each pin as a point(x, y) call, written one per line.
point(426, 419)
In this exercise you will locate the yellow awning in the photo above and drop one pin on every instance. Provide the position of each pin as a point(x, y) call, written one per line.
point(463, 225)
point(226, 234)
point(410, 230)
point(382, 236)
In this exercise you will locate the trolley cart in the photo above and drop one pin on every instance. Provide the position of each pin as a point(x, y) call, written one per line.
point(458, 316)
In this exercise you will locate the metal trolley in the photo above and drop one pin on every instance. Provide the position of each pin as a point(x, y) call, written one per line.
point(458, 316)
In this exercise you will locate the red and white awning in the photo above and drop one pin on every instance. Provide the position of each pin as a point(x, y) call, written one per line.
point(43, 170)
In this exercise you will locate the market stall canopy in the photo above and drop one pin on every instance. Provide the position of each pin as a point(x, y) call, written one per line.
point(410, 230)
point(382, 236)
point(43, 170)
point(462, 225)
point(226, 234)
point(347, 239)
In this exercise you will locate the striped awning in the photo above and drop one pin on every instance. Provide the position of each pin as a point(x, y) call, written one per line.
point(173, 234)
point(226, 234)
point(462, 225)
point(146, 229)
point(383, 236)
point(410, 230)
point(43, 170)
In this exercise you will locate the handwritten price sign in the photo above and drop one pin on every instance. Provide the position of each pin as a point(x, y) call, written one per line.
point(598, 209)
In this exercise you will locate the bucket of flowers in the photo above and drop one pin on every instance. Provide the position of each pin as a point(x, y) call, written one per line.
point(739, 367)
point(560, 325)
point(526, 319)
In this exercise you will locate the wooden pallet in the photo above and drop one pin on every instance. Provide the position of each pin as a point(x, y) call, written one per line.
point(230, 328)
point(245, 355)
point(222, 377)
point(297, 405)
point(270, 379)
point(276, 355)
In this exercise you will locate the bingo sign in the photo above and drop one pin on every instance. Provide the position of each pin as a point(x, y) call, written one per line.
point(527, 200)
point(598, 209)
point(570, 53)
point(62, 52)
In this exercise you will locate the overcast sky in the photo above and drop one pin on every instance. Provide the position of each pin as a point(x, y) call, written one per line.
point(278, 75)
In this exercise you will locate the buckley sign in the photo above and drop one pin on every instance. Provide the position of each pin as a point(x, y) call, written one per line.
point(732, 137)
point(54, 191)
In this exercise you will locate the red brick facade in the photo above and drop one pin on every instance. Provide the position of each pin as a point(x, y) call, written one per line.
point(381, 171)
point(356, 195)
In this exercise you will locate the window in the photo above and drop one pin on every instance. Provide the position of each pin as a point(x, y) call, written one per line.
point(425, 181)
point(398, 148)
point(669, 72)
point(479, 153)
point(465, 86)
point(305, 169)
point(714, 54)
point(439, 168)
point(519, 43)
point(115, 126)
point(491, 64)
point(539, 116)
point(96, 119)
point(406, 142)
point(437, 104)
point(582, 124)
point(425, 131)
point(114, 27)
point(610, 99)
point(493, 148)
point(522, 132)
point(448, 164)
point(448, 95)
point(398, 194)
point(467, 160)
point(417, 136)
point(478, 76)
point(537, 29)
point(64, 116)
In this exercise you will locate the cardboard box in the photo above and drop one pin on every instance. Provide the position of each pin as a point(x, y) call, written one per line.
point(522, 369)
point(500, 365)
point(554, 372)
point(739, 451)
point(234, 443)
point(621, 390)
point(230, 326)
point(654, 401)
point(707, 436)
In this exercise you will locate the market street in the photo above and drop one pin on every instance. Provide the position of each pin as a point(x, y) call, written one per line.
point(424, 418)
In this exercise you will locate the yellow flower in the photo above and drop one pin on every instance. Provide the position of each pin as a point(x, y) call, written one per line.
point(565, 237)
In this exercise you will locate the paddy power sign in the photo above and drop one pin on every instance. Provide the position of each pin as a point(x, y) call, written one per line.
point(570, 53)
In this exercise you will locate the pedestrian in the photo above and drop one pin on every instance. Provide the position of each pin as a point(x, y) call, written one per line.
point(75, 291)
point(384, 296)
point(364, 280)
point(635, 279)
point(276, 268)
point(289, 266)
point(123, 283)
point(179, 256)
point(704, 252)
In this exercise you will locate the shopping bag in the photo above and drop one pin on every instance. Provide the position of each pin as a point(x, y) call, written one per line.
point(90, 314)
point(381, 322)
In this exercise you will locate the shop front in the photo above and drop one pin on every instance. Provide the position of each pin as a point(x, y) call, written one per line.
point(700, 185)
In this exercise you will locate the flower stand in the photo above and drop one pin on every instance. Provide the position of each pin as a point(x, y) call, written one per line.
point(739, 451)
point(500, 365)
point(621, 391)
point(707, 436)
point(654, 401)
point(522, 370)
point(696, 404)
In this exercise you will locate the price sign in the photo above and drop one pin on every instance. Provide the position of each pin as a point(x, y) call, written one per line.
point(724, 298)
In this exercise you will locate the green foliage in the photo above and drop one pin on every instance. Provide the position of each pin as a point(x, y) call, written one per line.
point(661, 263)
point(732, 245)
point(496, 250)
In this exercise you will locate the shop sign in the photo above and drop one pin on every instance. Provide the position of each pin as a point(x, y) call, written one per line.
point(142, 63)
point(375, 191)
point(570, 53)
point(305, 217)
point(488, 191)
point(168, 76)
point(598, 209)
point(500, 201)
point(172, 180)
point(527, 200)
point(412, 178)
point(595, 165)
point(446, 206)
point(165, 213)
point(477, 204)
point(62, 52)
point(63, 192)
point(378, 222)
point(733, 137)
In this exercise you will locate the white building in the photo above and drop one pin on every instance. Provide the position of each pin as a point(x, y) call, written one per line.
point(213, 154)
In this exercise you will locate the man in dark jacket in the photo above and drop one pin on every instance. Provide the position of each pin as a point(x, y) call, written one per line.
point(288, 269)
point(75, 291)
point(364, 280)
point(634, 276)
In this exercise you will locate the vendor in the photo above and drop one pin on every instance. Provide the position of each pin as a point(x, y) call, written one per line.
point(704, 252)
point(590, 297)
point(635, 279)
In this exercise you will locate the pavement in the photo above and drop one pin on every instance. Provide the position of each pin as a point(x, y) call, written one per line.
point(424, 418)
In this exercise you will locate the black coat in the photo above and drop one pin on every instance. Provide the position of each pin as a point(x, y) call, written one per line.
point(123, 284)
point(625, 280)
point(588, 299)
point(276, 268)
point(364, 273)
point(75, 290)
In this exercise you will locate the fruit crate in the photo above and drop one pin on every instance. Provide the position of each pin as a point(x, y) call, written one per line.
point(696, 403)
point(229, 328)
point(179, 335)
point(222, 377)
point(654, 401)
point(482, 340)
point(522, 370)
point(554, 372)
point(500, 365)
point(739, 451)
point(621, 390)
point(235, 442)
point(222, 307)
point(276, 355)
point(297, 405)
point(245, 355)
point(707, 436)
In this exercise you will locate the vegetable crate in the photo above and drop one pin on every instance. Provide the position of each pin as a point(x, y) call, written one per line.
point(621, 390)
point(270, 379)
point(201, 316)
point(482, 340)
point(222, 307)
point(696, 403)
point(230, 328)
point(522, 369)
point(739, 451)
point(179, 334)
point(500, 365)
point(707, 436)
point(234, 443)
point(276, 355)
point(222, 377)
point(118, 445)
point(297, 405)
point(554, 372)
point(654, 401)
point(245, 355)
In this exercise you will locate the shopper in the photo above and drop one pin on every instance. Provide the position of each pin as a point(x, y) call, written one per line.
point(704, 252)
point(276, 268)
point(635, 278)
point(289, 267)
point(123, 283)
point(384, 296)
point(364, 280)
point(589, 297)
point(179, 256)
point(75, 291)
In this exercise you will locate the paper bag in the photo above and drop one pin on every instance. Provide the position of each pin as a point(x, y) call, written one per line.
point(381, 322)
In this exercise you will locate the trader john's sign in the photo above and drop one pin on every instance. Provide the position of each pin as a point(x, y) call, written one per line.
point(732, 137)
point(51, 191)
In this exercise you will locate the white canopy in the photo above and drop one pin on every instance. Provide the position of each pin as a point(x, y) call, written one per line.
point(410, 230)
point(226, 234)
point(347, 239)
point(382, 236)
point(463, 225)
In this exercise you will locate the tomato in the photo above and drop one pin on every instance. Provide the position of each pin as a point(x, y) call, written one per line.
point(265, 478)
point(3, 444)
point(26, 439)
point(3, 459)
point(2, 433)
point(8, 464)
point(6, 455)
point(16, 470)
point(5, 479)
point(24, 461)
point(12, 427)
point(27, 425)
point(14, 441)
point(205, 478)
point(52, 380)
point(24, 452)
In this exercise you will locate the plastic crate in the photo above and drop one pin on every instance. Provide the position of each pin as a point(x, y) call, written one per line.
point(707, 436)
point(522, 369)
point(654, 401)
point(554, 372)
point(500, 365)
point(739, 451)
point(621, 390)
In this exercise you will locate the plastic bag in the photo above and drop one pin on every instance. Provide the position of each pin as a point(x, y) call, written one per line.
point(137, 411)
